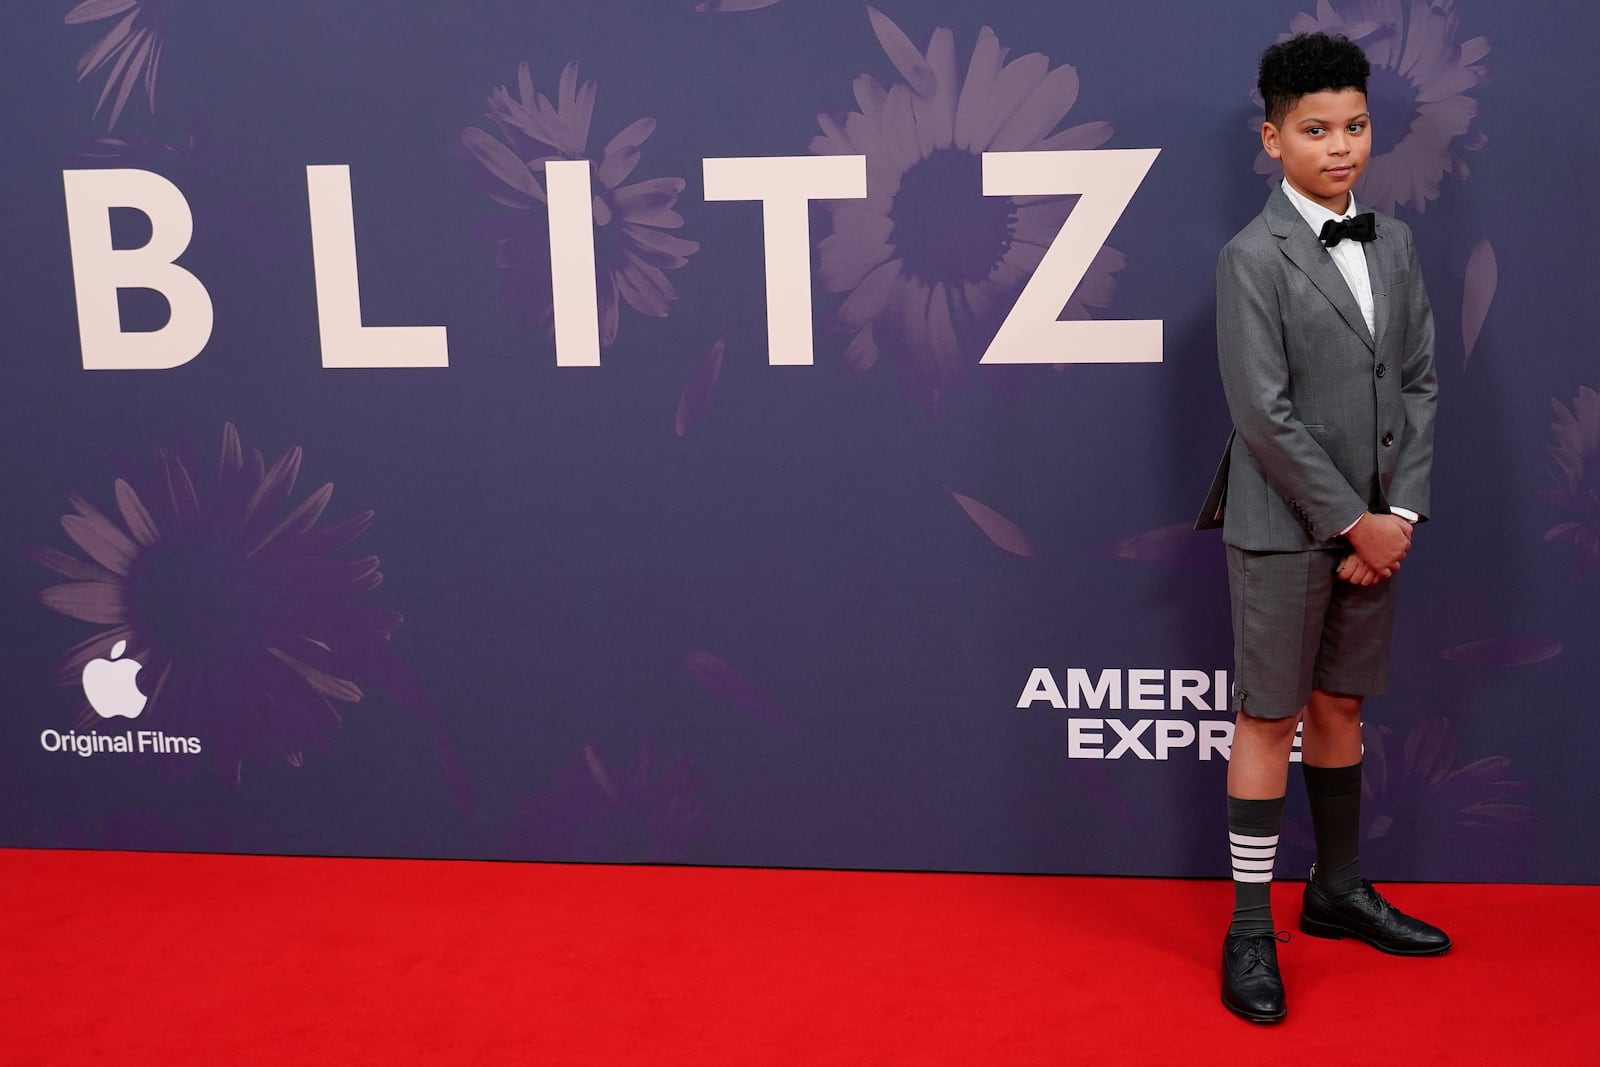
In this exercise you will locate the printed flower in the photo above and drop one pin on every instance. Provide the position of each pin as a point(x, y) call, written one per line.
point(248, 625)
point(1421, 121)
point(929, 263)
point(1399, 777)
point(721, 7)
point(632, 249)
point(131, 49)
point(1413, 793)
point(1577, 492)
point(595, 811)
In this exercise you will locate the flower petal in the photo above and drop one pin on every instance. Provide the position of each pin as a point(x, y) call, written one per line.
point(640, 296)
point(115, 40)
point(1013, 87)
point(90, 10)
point(943, 344)
point(695, 400)
point(662, 249)
point(905, 56)
point(936, 114)
point(90, 601)
point(1168, 546)
point(1505, 651)
point(70, 566)
point(130, 76)
point(610, 310)
point(982, 70)
point(501, 162)
point(1477, 294)
point(870, 298)
point(105, 544)
point(621, 156)
point(1040, 113)
point(728, 684)
point(995, 526)
point(301, 519)
point(230, 456)
point(861, 353)
point(321, 681)
point(274, 489)
point(720, 7)
point(1084, 136)
point(135, 515)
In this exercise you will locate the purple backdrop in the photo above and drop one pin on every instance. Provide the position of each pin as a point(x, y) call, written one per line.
point(689, 606)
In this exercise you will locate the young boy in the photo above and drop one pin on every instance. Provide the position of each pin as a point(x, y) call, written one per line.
point(1325, 341)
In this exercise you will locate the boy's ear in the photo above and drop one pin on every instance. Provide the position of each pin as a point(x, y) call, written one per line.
point(1269, 140)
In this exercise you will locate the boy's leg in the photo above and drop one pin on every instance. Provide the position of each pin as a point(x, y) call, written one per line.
point(1330, 752)
point(1258, 771)
point(1279, 600)
point(1353, 659)
point(1258, 774)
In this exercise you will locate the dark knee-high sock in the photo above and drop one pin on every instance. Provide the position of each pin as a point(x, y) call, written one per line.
point(1253, 840)
point(1335, 794)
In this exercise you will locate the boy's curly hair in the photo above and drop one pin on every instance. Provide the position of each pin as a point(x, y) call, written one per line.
point(1309, 63)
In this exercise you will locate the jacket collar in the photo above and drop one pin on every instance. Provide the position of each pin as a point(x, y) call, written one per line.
point(1306, 252)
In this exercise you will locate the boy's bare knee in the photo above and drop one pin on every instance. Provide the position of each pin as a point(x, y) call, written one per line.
point(1328, 707)
point(1265, 729)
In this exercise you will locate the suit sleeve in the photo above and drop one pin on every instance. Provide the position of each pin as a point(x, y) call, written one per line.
point(1255, 377)
point(1419, 395)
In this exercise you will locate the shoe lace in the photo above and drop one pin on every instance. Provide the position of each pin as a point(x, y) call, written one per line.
point(1370, 892)
point(1253, 950)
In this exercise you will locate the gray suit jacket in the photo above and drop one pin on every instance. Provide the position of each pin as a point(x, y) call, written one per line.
point(1329, 420)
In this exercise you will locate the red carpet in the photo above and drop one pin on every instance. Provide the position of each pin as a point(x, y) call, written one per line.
point(140, 958)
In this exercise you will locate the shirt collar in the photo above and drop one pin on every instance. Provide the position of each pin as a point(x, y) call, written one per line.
point(1314, 213)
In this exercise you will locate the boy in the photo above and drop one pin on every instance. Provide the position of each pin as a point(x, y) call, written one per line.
point(1325, 341)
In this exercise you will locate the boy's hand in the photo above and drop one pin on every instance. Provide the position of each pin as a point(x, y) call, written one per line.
point(1381, 541)
point(1352, 570)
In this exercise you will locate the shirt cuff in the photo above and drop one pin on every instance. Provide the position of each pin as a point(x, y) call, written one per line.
point(1352, 526)
point(1405, 513)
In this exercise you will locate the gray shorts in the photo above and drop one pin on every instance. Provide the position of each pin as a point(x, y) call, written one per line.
point(1296, 627)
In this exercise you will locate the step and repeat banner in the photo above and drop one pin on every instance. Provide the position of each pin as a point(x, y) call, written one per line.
point(757, 432)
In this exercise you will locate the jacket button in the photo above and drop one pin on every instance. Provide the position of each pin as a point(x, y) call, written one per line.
point(1382, 370)
point(1388, 439)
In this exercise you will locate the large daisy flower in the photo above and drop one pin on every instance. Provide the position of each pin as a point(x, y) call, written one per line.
point(249, 626)
point(1577, 492)
point(1416, 788)
point(1421, 119)
point(632, 248)
point(130, 50)
point(929, 264)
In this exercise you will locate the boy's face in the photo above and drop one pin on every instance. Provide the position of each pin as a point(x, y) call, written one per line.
point(1323, 144)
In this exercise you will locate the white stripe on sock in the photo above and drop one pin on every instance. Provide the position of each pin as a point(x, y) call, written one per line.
point(1253, 856)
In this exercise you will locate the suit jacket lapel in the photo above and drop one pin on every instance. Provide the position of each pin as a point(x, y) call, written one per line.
point(1378, 271)
point(1307, 253)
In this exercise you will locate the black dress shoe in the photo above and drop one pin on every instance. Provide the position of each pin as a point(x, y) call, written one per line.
point(1363, 914)
point(1251, 986)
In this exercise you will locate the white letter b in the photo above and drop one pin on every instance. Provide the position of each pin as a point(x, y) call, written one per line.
point(99, 270)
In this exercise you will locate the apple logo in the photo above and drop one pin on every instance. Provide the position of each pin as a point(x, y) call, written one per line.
point(109, 685)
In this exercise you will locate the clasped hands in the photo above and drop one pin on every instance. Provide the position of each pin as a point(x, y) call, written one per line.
point(1380, 543)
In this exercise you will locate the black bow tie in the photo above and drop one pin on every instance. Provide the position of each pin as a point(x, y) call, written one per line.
point(1362, 227)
